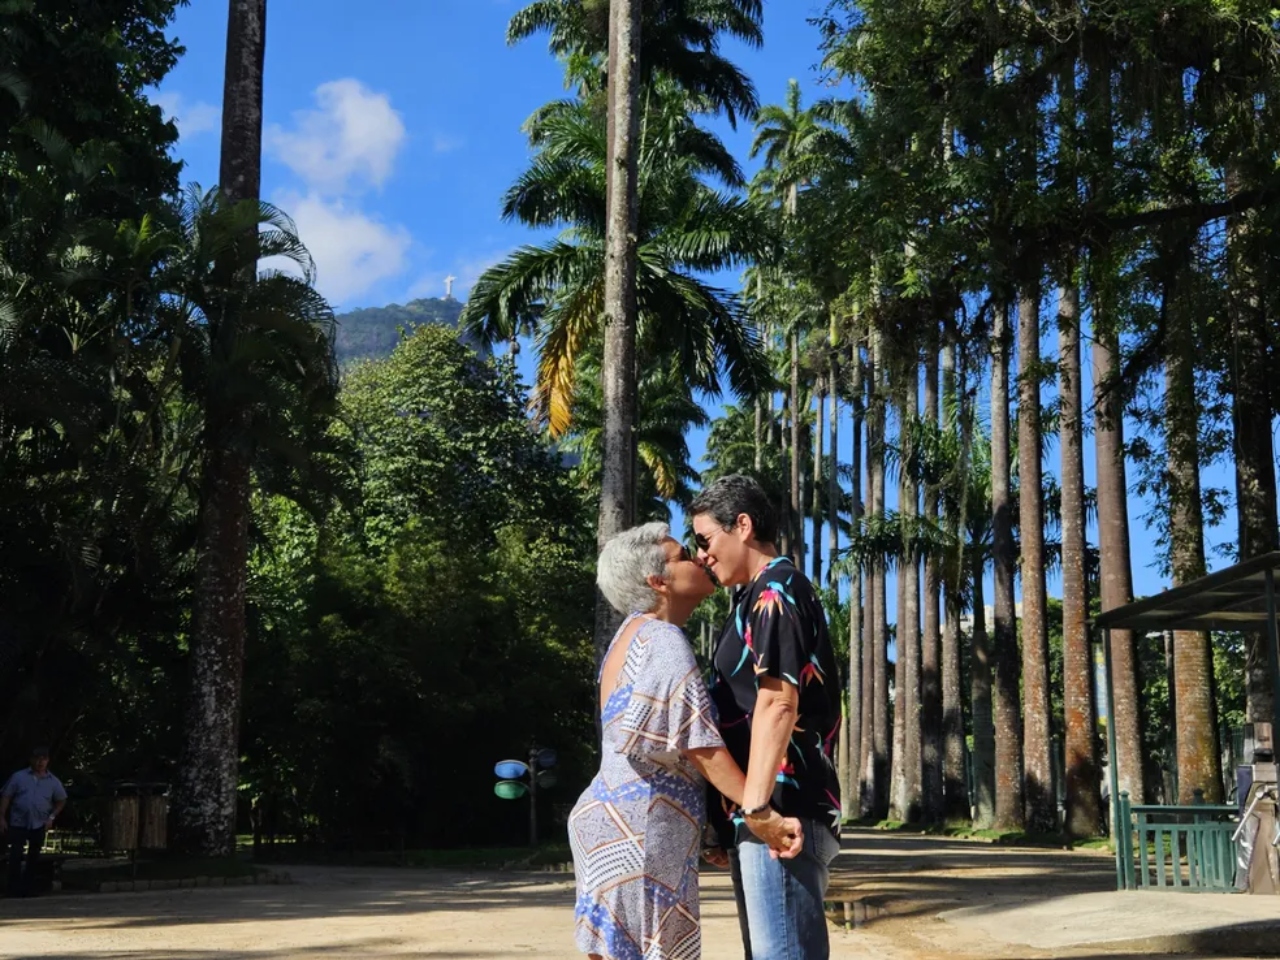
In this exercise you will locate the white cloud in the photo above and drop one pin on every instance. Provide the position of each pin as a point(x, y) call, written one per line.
point(353, 251)
point(443, 143)
point(351, 139)
point(191, 118)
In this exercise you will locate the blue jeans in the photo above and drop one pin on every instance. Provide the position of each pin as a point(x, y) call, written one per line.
point(780, 901)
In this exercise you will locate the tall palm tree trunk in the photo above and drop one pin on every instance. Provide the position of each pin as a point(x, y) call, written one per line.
point(208, 776)
point(1006, 702)
point(859, 700)
point(797, 501)
point(1113, 548)
point(1084, 802)
point(880, 625)
point(931, 706)
point(757, 437)
point(1042, 805)
point(833, 470)
point(955, 794)
point(1116, 575)
point(819, 448)
point(1195, 719)
point(907, 693)
point(618, 373)
point(1253, 413)
point(980, 699)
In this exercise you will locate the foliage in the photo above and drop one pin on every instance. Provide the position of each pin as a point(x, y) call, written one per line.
point(396, 643)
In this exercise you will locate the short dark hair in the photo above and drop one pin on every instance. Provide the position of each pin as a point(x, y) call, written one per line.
point(729, 497)
point(39, 752)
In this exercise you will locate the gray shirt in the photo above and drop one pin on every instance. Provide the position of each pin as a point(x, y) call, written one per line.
point(31, 798)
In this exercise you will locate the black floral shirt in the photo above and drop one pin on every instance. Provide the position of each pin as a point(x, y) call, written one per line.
point(777, 628)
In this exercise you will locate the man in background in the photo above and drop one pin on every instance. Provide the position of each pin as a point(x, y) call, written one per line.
point(29, 804)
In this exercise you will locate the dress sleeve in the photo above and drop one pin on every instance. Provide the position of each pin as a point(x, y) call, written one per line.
point(778, 636)
point(10, 788)
point(59, 791)
point(670, 709)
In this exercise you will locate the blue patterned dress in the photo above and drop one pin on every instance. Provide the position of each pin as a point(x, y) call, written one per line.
point(636, 831)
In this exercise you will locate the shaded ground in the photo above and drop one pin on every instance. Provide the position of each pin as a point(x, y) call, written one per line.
point(931, 898)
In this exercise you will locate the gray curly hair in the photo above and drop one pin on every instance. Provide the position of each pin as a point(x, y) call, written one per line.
point(626, 563)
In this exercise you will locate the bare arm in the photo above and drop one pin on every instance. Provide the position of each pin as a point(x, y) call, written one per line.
point(783, 834)
point(777, 706)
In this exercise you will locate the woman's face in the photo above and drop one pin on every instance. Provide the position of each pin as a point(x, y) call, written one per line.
point(686, 578)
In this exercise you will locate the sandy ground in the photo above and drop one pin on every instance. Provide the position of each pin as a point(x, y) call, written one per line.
point(930, 899)
point(339, 914)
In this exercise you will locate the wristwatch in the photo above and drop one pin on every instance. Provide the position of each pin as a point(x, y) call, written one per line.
point(752, 811)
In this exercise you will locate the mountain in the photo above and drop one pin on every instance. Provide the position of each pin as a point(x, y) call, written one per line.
point(373, 332)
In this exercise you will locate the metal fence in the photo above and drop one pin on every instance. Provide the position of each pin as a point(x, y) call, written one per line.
point(1188, 848)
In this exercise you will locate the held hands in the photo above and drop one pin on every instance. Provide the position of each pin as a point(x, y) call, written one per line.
point(784, 835)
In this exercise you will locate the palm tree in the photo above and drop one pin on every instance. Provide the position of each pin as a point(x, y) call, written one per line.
point(622, 215)
point(1007, 705)
point(1194, 716)
point(679, 43)
point(931, 699)
point(685, 228)
point(1113, 549)
point(1081, 754)
point(265, 341)
point(209, 778)
point(786, 136)
point(667, 412)
point(1042, 805)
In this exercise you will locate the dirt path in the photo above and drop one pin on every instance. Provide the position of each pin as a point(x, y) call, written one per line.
point(928, 899)
point(338, 914)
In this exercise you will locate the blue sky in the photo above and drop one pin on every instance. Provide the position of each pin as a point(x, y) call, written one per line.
point(392, 133)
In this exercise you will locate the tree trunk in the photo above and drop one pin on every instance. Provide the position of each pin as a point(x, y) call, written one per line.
point(758, 438)
point(955, 792)
point(1253, 413)
point(880, 626)
point(899, 772)
point(858, 692)
point(1116, 575)
point(815, 499)
point(1008, 719)
point(931, 706)
point(1042, 805)
point(833, 469)
point(208, 776)
point(1195, 720)
point(909, 618)
point(785, 533)
point(618, 374)
point(980, 698)
point(1084, 801)
point(797, 503)
point(1113, 549)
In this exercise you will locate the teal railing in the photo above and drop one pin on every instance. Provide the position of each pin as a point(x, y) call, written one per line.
point(1176, 848)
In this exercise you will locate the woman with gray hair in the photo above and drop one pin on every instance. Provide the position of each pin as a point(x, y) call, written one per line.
point(636, 832)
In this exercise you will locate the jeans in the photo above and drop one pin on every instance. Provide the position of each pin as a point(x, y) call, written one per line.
point(22, 884)
point(780, 901)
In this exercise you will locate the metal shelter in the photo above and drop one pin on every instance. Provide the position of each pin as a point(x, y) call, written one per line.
point(1239, 598)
